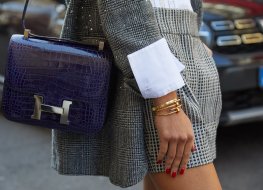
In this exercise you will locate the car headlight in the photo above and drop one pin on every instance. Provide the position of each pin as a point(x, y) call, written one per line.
point(206, 35)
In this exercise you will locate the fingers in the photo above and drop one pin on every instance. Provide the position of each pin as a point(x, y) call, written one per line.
point(162, 150)
point(176, 141)
point(179, 155)
point(176, 153)
point(186, 155)
point(170, 156)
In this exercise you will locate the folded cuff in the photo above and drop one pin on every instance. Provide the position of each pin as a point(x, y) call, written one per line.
point(156, 70)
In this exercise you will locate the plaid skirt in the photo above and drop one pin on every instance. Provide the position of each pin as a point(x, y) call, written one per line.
point(126, 151)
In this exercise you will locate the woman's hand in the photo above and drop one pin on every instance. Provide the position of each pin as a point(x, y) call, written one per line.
point(176, 138)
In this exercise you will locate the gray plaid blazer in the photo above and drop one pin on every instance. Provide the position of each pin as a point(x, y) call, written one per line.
point(126, 34)
point(129, 113)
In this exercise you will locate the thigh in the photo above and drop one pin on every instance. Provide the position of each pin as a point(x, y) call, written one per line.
point(198, 178)
point(148, 184)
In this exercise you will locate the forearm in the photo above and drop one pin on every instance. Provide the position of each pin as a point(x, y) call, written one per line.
point(165, 98)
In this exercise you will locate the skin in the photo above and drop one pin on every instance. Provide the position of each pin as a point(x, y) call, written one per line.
point(176, 137)
point(199, 178)
point(176, 144)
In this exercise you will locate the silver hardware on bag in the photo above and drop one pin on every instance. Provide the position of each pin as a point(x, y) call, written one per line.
point(26, 34)
point(40, 107)
point(101, 45)
point(95, 41)
point(98, 42)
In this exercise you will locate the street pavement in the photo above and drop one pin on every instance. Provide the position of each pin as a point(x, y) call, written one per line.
point(25, 160)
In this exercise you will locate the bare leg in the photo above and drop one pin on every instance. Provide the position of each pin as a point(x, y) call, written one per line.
point(199, 178)
point(147, 183)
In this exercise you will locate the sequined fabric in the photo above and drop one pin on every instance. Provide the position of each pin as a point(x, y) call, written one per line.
point(126, 149)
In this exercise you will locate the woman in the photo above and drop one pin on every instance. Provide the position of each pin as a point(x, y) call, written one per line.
point(158, 57)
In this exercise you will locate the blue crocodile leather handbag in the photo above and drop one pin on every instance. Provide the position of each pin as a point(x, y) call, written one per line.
point(57, 83)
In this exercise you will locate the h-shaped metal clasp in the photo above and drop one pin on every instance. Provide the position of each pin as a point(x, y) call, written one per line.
point(40, 107)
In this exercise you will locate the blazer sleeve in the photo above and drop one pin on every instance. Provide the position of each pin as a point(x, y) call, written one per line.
point(129, 26)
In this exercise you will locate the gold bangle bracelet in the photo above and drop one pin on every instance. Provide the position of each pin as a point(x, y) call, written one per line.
point(174, 110)
point(170, 113)
point(166, 104)
point(170, 106)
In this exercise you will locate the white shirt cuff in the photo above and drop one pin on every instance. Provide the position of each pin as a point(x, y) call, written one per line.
point(156, 69)
point(185, 4)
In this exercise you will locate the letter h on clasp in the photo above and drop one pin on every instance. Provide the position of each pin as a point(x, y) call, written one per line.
point(40, 107)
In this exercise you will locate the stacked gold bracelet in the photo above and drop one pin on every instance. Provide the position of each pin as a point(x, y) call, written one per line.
point(173, 106)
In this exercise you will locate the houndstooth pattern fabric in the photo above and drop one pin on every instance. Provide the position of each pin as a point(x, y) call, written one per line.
point(126, 149)
point(201, 96)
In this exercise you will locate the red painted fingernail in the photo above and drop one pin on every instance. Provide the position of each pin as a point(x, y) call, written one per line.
point(168, 170)
point(159, 162)
point(174, 174)
point(182, 171)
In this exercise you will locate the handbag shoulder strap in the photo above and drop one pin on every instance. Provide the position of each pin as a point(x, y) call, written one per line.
point(91, 41)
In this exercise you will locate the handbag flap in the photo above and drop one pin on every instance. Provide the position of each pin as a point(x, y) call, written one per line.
point(74, 72)
point(57, 72)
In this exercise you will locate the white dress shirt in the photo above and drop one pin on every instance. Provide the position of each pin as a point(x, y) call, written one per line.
point(175, 4)
point(156, 70)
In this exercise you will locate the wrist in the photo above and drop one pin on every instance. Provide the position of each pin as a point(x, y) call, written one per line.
point(165, 98)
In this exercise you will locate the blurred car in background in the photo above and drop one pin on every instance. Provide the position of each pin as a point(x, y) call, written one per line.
point(233, 29)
